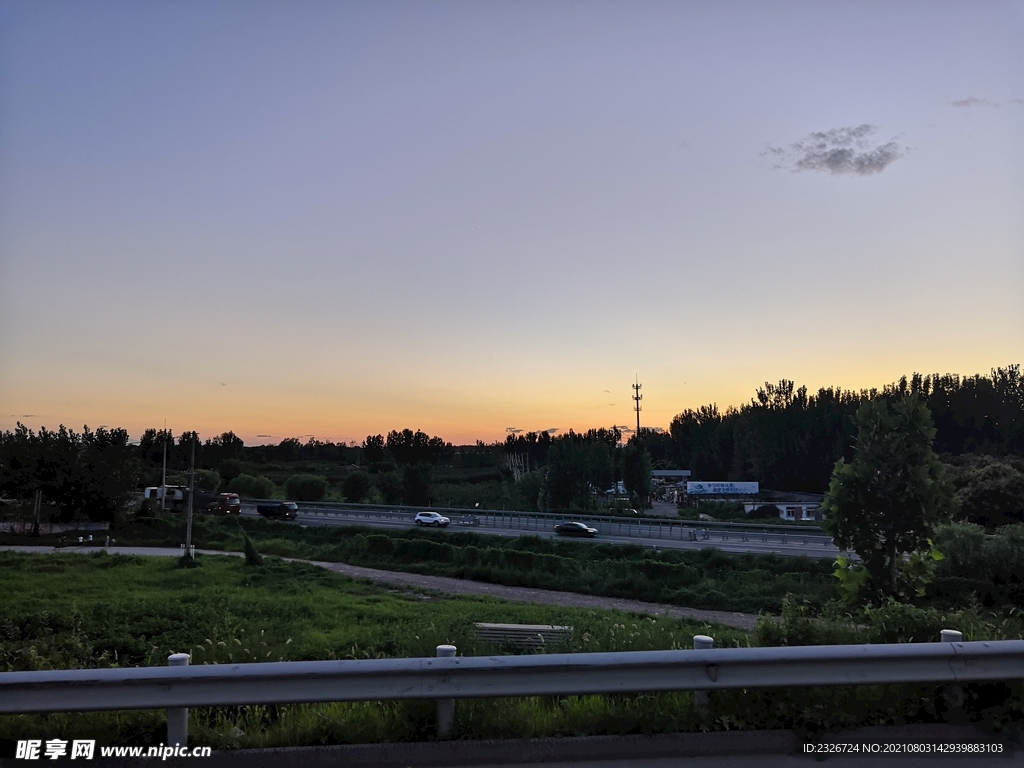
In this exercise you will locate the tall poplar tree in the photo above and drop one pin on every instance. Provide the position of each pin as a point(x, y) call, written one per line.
point(888, 501)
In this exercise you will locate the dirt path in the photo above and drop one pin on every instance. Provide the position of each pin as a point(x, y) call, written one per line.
point(452, 586)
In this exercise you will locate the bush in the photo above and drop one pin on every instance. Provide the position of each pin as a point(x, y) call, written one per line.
point(253, 487)
point(305, 488)
point(765, 512)
point(724, 510)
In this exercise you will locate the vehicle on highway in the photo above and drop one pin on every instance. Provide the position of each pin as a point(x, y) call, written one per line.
point(225, 504)
point(575, 529)
point(431, 518)
point(286, 509)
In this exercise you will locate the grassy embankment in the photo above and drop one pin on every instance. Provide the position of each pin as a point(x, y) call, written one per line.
point(707, 579)
point(67, 611)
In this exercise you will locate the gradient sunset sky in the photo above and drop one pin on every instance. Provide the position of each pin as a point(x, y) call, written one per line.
point(336, 219)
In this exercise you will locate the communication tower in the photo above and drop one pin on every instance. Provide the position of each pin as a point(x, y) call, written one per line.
point(637, 397)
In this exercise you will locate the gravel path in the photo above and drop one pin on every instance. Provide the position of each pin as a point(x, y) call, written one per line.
point(452, 586)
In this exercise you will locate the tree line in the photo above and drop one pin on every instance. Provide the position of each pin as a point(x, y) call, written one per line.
point(789, 439)
point(786, 438)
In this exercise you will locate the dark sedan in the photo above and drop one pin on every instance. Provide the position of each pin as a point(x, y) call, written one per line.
point(288, 510)
point(575, 529)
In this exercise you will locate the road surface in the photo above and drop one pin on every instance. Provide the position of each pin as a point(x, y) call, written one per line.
point(734, 542)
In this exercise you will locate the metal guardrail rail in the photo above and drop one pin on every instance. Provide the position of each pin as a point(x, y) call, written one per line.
point(644, 527)
point(452, 677)
point(502, 676)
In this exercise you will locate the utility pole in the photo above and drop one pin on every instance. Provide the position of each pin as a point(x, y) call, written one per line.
point(35, 523)
point(191, 499)
point(163, 488)
point(637, 397)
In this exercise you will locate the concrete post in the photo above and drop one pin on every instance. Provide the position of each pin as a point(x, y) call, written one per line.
point(445, 707)
point(700, 698)
point(951, 636)
point(177, 717)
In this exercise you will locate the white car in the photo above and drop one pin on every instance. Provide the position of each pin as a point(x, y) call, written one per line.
point(431, 518)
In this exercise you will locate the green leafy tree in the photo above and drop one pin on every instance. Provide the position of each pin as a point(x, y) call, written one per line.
point(636, 473)
point(373, 449)
point(230, 469)
point(303, 487)
point(577, 468)
point(356, 486)
point(88, 475)
point(207, 480)
point(530, 489)
point(887, 502)
point(410, 448)
point(564, 479)
point(416, 480)
point(989, 491)
point(390, 486)
point(253, 486)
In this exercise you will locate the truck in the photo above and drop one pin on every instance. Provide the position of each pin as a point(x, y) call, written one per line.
point(225, 504)
point(174, 497)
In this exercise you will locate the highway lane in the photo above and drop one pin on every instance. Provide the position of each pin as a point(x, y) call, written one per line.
point(731, 542)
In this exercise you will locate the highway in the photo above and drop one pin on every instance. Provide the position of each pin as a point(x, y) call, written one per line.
point(735, 542)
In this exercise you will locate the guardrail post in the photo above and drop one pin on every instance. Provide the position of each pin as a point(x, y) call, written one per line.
point(953, 695)
point(701, 698)
point(177, 717)
point(445, 707)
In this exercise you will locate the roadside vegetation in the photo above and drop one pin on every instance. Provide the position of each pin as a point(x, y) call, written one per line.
point(927, 495)
point(74, 611)
point(707, 578)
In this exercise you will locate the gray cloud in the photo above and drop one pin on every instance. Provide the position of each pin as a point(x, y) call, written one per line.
point(1017, 101)
point(839, 151)
point(973, 101)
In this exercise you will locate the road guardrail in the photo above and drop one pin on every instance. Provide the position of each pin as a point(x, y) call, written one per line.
point(638, 527)
point(449, 677)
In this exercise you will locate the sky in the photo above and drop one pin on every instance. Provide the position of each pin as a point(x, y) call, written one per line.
point(334, 219)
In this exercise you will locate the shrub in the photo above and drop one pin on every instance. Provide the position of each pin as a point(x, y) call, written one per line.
point(207, 480)
point(765, 512)
point(252, 556)
point(971, 556)
point(380, 545)
point(305, 487)
point(253, 487)
point(724, 510)
point(990, 491)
